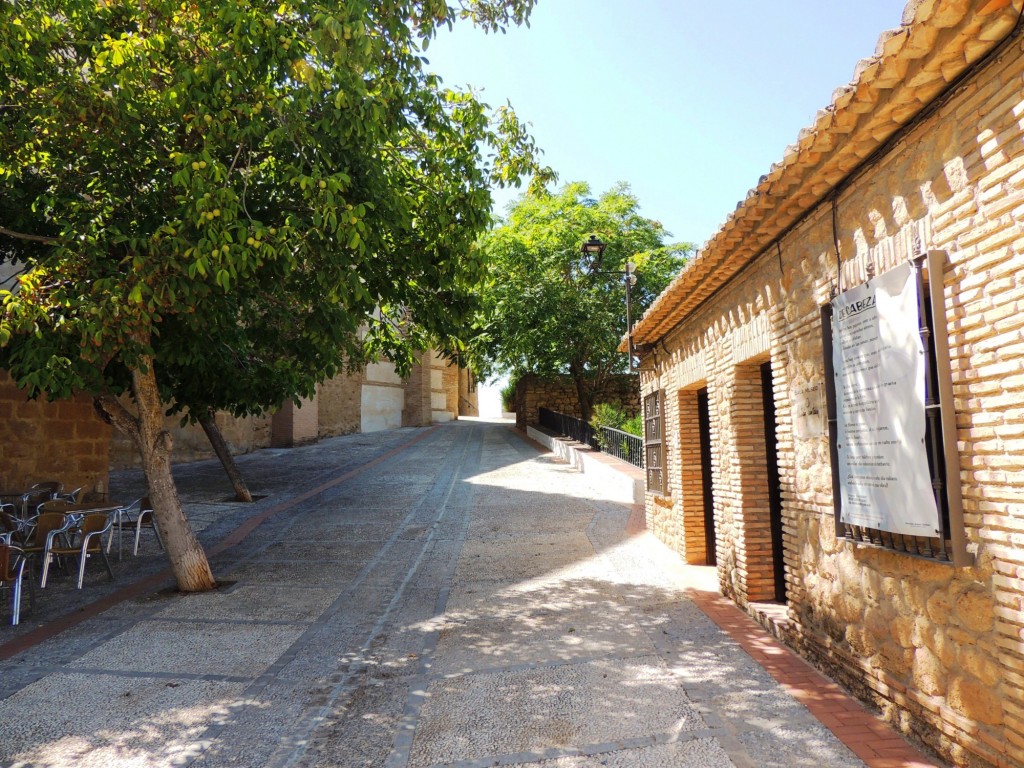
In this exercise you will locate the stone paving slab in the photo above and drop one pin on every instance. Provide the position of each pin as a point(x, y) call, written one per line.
point(692, 753)
point(484, 643)
point(129, 720)
point(537, 709)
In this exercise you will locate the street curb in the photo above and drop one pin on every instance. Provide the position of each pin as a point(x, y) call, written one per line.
point(622, 481)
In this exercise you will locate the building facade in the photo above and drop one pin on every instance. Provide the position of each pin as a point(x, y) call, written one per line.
point(68, 441)
point(372, 399)
point(915, 171)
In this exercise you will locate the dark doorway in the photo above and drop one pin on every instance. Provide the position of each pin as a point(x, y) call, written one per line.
point(704, 419)
point(774, 483)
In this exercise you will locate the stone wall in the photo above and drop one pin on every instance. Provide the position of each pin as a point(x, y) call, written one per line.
point(382, 398)
point(340, 405)
point(559, 394)
point(444, 389)
point(293, 424)
point(375, 398)
point(939, 649)
point(190, 441)
point(64, 441)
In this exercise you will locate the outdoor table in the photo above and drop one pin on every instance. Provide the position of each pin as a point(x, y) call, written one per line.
point(82, 508)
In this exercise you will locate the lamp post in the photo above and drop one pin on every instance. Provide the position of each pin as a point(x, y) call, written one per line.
point(594, 248)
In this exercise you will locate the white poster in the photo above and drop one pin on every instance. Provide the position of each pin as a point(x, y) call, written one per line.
point(878, 359)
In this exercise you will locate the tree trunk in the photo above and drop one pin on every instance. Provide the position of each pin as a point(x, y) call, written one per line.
point(188, 560)
point(220, 447)
point(584, 396)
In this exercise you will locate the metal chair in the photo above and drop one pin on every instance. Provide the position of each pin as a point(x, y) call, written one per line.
point(46, 527)
point(73, 496)
point(90, 542)
point(12, 576)
point(51, 487)
point(137, 515)
point(54, 505)
point(30, 501)
point(11, 526)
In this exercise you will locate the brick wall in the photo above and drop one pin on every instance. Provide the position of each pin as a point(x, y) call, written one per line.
point(64, 441)
point(559, 394)
point(451, 389)
point(416, 412)
point(939, 649)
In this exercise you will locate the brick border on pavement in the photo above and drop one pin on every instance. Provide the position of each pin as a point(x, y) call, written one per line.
point(867, 736)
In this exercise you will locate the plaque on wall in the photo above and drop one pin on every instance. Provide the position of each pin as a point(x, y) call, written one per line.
point(808, 411)
point(879, 368)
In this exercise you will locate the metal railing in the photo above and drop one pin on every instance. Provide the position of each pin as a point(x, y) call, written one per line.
point(622, 445)
point(569, 426)
point(614, 442)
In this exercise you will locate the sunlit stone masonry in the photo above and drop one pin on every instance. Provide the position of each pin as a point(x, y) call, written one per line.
point(833, 388)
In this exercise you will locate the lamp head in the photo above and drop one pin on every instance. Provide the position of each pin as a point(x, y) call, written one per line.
point(593, 247)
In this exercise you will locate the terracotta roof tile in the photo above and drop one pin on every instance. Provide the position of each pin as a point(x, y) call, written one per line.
point(912, 65)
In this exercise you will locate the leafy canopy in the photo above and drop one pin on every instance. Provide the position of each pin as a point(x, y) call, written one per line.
point(550, 309)
point(233, 187)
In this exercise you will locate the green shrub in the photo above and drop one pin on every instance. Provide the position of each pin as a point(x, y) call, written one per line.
point(607, 415)
point(508, 393)
point(634, 425)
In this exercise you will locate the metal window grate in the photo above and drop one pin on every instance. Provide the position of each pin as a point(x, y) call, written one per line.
point(654, 441)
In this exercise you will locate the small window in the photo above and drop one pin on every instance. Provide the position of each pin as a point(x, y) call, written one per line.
point(654, 442)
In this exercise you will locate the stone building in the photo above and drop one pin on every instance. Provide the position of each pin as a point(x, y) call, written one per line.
point(755, 382)
point(68, 441)
point(373, 399)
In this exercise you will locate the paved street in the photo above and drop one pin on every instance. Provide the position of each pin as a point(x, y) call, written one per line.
point(415, 598)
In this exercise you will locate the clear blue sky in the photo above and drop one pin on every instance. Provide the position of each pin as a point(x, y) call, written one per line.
point(689, 102)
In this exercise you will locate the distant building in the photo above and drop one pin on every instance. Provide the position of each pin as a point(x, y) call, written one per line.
point(67, 441)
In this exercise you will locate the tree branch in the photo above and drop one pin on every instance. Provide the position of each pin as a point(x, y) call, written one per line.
point(23, 236)
point(113, 412)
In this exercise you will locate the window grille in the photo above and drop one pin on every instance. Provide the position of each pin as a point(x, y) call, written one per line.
point(654, 441)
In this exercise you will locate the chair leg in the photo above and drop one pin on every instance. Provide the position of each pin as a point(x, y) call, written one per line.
point(47, 557)
point(81, 564)
point(119, 516)
point(16, 598)
point(138, 531)
point(23, 567)
point(106, 562)
point(85, 556)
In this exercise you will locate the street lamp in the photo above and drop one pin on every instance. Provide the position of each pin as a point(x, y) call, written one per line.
point(594, 248)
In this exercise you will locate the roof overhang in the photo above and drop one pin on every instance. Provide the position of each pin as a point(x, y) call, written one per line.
point(913, 65)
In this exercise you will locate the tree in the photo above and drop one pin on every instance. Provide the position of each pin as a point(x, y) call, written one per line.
point(550, 310)
point(210, 200)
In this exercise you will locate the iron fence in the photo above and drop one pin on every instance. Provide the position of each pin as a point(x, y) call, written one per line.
point(614, 442)
point(622, 445)
point(569, 426)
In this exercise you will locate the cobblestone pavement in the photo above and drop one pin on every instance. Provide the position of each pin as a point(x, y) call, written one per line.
point(413, 598)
